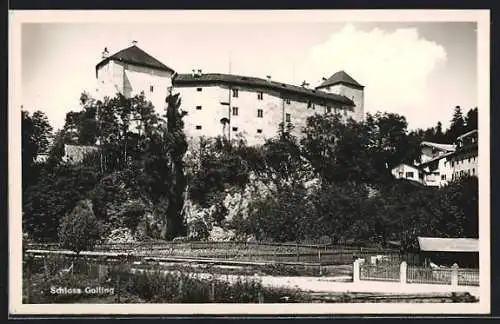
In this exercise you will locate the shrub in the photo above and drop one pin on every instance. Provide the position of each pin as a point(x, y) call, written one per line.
point(79, 230)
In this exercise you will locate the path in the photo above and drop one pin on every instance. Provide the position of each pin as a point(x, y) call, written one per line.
point(332, 284)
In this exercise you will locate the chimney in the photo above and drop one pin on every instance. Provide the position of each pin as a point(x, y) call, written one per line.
point(199, 72)
point(268, 78)
point(134, 43)
point(105, 53)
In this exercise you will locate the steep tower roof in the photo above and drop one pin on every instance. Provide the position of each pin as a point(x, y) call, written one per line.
point(136, 56)
point(340, 77)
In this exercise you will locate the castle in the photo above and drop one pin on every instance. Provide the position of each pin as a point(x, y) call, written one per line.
point(227, 104)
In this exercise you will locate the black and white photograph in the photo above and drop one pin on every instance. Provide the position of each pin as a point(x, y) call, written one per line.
point(249, 162)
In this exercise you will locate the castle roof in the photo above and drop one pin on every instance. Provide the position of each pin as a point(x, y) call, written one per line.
point(136, 56)
point(258, 83)
point(340, 77)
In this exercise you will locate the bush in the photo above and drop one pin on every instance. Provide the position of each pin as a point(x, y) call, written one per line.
point(79, 230)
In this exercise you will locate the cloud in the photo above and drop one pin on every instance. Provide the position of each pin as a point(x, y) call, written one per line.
point(393, 65)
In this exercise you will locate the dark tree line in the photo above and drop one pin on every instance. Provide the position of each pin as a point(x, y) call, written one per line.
point(333, 182)
point(140, 148)
point(356, 199)
point(459, 124)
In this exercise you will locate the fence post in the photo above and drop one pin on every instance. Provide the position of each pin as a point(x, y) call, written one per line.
point(454, 276)
point(118, 288)
point(403, 270)
point(212, 291)
point(260, 297)
point(356, 270)
point(297, 248)
point(28, 276)
point(319, 260)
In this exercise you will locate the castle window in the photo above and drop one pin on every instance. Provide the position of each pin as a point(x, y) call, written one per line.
point(260, 95)
point(235, 93)
point(198, 127)
point(198, 107)
point(287, 101)
point(151, 88)
point(235, 111)
point(260, 113)
point(288, 118)
point(235, 129)
point(199, 89)
point(259, 131)
point(443, 177)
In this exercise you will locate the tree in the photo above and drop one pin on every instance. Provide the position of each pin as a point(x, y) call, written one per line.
point(457, 126)
point(289, 216)
point(79, 230)
point(36, 137)
point(471, 120)
point(337, 151)
point(439, 135)
point(54, 196)
point(164, 166)
point(339, 212)
point(282, 161)
point(389, 142)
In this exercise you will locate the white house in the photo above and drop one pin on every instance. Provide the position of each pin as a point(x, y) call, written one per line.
point(408, 172)
point(465, 160)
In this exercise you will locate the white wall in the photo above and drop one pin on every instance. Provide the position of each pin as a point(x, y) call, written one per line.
point(356, 95)
point(247, 122)
point(401, 172)
point(130, 80)
point(464, 164)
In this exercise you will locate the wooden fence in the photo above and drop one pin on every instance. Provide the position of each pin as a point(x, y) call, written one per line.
point(251, 251)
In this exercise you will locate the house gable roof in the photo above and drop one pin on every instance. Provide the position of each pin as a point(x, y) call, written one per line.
point(135, 56)
point(439, 146)
point(340, 77)
point(437, 244)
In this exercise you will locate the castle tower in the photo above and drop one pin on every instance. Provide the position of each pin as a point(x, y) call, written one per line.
point(343, 84)
point(132, 71)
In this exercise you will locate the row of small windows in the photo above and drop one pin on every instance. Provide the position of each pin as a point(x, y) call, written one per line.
point(260, 96)
point(235, 129)
point(473, 159)
point(235, 111)
point(461, 173)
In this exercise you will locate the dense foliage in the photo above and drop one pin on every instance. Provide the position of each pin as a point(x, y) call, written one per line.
point(79, 230)
point(332, 183)
point(139, 163)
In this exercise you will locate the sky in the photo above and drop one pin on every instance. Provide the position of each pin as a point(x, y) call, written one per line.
point(421, 70)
